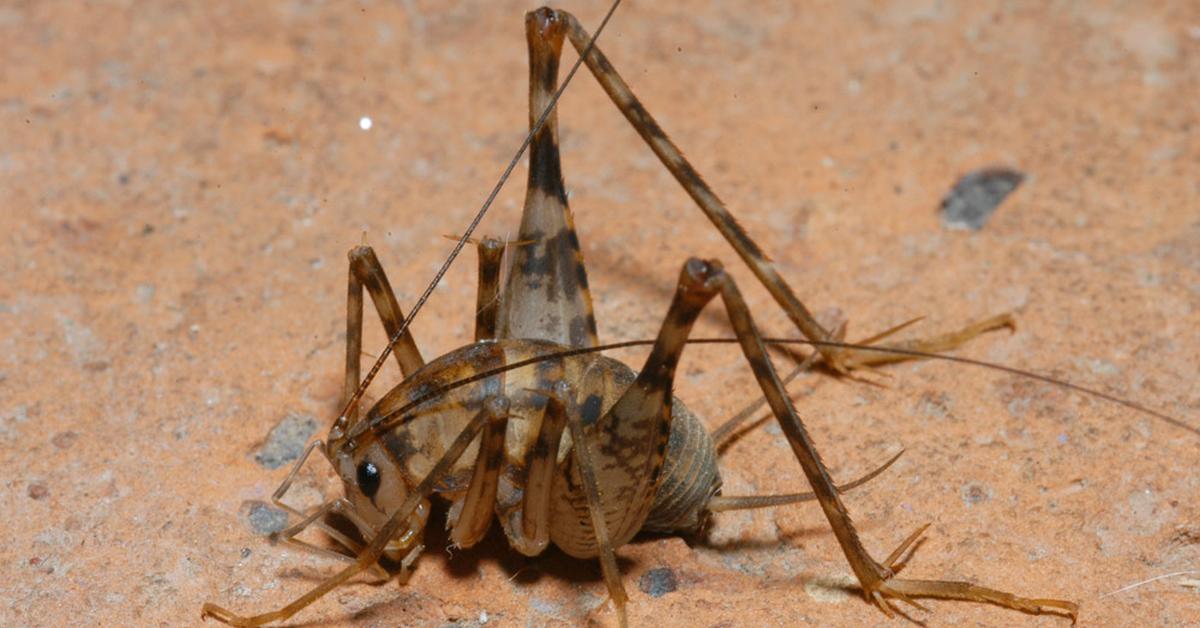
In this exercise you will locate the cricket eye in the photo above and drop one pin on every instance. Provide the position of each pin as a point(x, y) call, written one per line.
point(368, 479)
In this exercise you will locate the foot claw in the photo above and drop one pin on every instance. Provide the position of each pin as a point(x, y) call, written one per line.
point(883, 604)
point(890, 562)
point(846, 359)
point(882, 592)
point(215, 612)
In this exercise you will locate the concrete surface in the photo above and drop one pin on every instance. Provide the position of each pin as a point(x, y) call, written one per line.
point(180, 181)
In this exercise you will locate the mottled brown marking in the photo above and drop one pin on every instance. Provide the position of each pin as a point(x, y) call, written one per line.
point(547, 295)
point(487, 296)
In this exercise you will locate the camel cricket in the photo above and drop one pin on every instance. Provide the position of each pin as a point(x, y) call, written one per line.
point(532, 426)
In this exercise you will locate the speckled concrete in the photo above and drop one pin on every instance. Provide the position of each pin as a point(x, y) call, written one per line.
point(179, 183)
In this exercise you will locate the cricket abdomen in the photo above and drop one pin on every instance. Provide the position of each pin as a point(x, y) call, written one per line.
point(689, 476)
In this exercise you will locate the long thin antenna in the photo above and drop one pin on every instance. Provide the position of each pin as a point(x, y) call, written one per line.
point(462, 240)
point(382, 421)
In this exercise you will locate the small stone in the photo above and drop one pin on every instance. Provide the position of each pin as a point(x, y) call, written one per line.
point(37, 490)
point(975, 196)
point(263, 518)
point(286, 441)
point(658, 582)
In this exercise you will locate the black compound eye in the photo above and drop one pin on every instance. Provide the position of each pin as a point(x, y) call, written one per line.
point(368, 479)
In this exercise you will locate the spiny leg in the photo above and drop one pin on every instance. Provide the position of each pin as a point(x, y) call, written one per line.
point(474, 514)
point(621, 456)
point(495, 409)
point(366, 272)
point(877, 580)
point(712, 206)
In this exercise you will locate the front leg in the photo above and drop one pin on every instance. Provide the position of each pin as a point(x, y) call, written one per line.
point(366, 273)
point(494, 410)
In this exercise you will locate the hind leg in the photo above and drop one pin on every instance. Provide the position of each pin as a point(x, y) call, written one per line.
point(712, 206)
point(877, 579)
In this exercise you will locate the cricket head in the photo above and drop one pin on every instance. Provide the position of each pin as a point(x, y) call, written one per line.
point(378, 492)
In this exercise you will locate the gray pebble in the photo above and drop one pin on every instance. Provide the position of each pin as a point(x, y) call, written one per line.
point(286, 441)
point(658, 582)
point(263, 518)
point(977, 195)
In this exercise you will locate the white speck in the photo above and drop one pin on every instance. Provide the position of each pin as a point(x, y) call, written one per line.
point(364, 123)
point(483, 617)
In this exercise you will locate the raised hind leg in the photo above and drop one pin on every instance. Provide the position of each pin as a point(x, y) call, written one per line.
point(706, 279)
point(712, 206)
point(546, 295)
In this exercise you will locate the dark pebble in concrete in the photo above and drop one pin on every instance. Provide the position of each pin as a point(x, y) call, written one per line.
point(263, 518)
point(658, 582)
point(977, 195)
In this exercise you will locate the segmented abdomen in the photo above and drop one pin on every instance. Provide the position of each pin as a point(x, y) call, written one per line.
point(689, 476)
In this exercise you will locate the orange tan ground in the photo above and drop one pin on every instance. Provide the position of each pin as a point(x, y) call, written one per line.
point(179, 183)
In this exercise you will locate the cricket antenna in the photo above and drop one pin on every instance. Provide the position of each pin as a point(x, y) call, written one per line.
point(384, 421)
point(483, 209)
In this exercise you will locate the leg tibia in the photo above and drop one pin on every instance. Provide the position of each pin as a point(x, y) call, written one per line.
point(487, 296)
